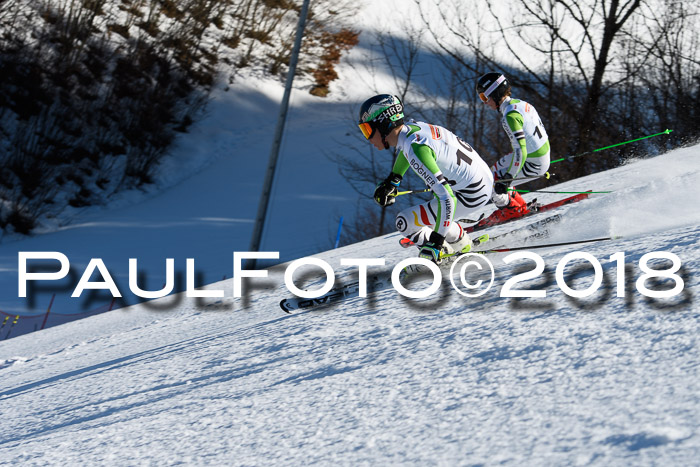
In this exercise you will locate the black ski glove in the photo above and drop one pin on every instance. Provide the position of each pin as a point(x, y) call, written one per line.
point(385, 193)
point(501, 187)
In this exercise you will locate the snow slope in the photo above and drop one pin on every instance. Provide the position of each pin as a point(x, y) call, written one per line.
point(214, 180)
point(385, 380)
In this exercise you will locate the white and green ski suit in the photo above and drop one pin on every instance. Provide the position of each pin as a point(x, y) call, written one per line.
point(459, 178)
point(530, 156)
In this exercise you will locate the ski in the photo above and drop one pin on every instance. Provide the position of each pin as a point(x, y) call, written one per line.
point(532, 208)
point(374, 284)
point(548, 245)
point(445, 263)
point(537, 228)
point(380, 282)
point(407, 242)
point(420, 269)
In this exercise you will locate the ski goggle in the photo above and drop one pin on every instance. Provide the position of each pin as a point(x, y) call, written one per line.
point(484, 96)
point(367, 129)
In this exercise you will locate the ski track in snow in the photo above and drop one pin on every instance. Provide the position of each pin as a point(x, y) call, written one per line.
point(383, 380)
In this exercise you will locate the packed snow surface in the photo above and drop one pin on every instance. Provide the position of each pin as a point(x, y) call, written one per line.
point(376, 380)
point(384, 379)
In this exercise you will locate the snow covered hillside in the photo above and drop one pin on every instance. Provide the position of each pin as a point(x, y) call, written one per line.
point(382, 380)
point(207, 212)
point(206, 201)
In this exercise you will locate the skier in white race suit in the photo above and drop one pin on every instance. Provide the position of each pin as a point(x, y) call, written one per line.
point(530, 156)
point(459, 179)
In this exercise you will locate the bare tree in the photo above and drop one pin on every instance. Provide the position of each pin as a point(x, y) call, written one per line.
point(93, 91)
point(671, 78)
point(565, 54)
point(597, 70)
point(580, 46)
point(360, 163)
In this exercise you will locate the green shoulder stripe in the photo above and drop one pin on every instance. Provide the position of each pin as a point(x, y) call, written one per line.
point(427, 156)
point(515, 121)
point(412, 129)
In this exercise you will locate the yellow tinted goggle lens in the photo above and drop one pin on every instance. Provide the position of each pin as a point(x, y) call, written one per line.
point(366, 129)
point(483, 97)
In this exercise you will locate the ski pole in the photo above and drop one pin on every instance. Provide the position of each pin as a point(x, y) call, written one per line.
point(546, 245)
point(508, 180)
point(411, 192)
point(502, 180)
point(611, 146)
point(560, 192)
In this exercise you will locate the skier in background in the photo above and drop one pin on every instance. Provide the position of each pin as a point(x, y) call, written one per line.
point(460, 180)
point(530, 156)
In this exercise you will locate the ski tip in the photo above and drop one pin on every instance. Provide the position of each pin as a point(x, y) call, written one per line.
point(283, 305)
point(480, 239)
point(406, 242)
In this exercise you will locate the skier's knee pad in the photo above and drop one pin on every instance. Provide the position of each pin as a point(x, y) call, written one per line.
point(402, 223)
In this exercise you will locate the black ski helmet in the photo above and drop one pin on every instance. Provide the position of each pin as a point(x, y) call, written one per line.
point(492, 86)
point(382, 112)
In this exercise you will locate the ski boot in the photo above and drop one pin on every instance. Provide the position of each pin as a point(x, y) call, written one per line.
point(463, 244)
point(516, 207)
point(432, 252)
